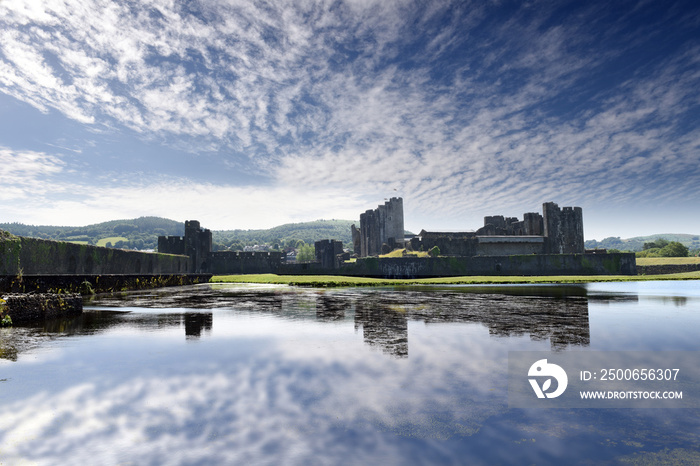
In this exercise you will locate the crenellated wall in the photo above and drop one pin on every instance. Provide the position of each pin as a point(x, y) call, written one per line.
point(196, 244)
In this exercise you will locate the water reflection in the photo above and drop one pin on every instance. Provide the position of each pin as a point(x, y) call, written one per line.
point(196, 323)
point(301, 376)
point(557, 314)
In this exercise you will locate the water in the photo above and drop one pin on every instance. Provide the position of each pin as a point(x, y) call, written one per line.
point(234, 374)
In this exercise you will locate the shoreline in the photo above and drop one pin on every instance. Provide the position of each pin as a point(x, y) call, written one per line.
point(341, 281)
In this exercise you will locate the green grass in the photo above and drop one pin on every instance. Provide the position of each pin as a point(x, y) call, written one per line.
point(111, 239)
point(667, 260)
point(333, 281)
point(400, 253)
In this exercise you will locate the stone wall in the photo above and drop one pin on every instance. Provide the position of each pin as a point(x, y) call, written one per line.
point(428, 267)
point(524, 265)
point(10, 247)
point(563, 229)
point(509, 245)
point(383, 225)
point(667, 268)
point(171, 245)
point(498, 225)
point(237, 262)
point(557, 231)
point(196, 244)
point(33, 256)
point(327, 252)
point(450, 244)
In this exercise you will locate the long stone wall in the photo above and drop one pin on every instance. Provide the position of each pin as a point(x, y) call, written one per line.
point(667, 268)
point(235, 262)
point(33, 256)
point(509, 245)
point(524, 265)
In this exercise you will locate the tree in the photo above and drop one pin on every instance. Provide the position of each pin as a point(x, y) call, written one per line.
point(306, 253)
point(658, 243)
point(124, 228)
point(674, 249)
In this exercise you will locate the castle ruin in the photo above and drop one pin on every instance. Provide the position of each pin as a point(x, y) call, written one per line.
point(555, 231)
point(381, 229)
point(550, 243)
point(197, 244)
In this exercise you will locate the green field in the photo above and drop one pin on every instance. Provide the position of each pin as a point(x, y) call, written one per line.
point(333, 281)
point(667, 260)
point(404, 253)
point(111, 239)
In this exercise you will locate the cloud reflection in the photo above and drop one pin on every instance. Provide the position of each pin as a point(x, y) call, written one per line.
point(288, 381)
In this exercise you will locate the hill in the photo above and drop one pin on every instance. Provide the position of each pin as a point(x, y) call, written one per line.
point(287, 235)
point(139, 233)
point(142, 233)
point(692, 242)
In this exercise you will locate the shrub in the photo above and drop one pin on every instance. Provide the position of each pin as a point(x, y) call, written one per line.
point(674, 249)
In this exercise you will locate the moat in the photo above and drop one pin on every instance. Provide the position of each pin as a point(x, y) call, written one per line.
point(243, 374)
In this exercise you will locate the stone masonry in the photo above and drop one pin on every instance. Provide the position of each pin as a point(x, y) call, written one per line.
point(556, 231)
point(379, 227)
point(197, 244)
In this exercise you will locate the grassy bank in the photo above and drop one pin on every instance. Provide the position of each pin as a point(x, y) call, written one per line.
point(332, 280)
point(644, 261)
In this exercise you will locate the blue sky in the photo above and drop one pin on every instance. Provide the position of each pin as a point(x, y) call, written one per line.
point(250, 114)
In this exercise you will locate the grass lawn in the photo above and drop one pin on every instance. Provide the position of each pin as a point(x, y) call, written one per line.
point(667, 260)
point(332, 280)
point(111, 239)
point(401, 252)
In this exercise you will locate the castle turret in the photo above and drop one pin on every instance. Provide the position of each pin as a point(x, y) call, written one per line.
point(383, 225)
point(563, 229)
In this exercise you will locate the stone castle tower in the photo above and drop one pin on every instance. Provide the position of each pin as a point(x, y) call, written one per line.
point(197, 243)
point(563, 229)
point(383, 225)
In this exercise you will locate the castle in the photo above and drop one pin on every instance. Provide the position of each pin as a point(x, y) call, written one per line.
point(555, 231)
point(197, 244)
point(381, 230)
point(550, 243)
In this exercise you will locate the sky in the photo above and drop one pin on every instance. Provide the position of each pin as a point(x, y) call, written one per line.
point(252, 114)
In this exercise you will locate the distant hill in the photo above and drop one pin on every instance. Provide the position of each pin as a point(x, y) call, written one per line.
point(289, 234)
point(692, 242)
point(142, 233)
point(138, 233)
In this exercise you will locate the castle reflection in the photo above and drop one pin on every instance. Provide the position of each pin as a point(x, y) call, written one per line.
point(562, 321)
point(555, 313)
point(196, 323)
